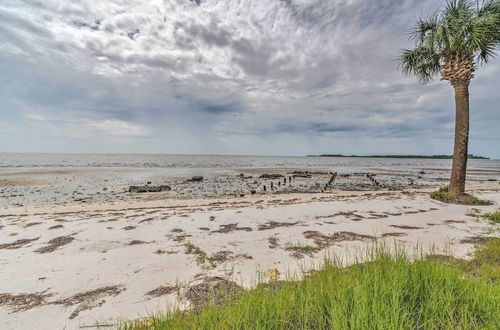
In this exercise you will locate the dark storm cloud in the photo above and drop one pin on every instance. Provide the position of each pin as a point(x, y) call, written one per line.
point(218, 108)
point(323, 128)
point(92, 26)
point(305, 76)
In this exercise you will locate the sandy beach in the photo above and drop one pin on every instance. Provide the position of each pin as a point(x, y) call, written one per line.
point(218, 164)
point(84, 264)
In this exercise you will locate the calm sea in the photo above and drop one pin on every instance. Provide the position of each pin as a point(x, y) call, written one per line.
point(10, 161)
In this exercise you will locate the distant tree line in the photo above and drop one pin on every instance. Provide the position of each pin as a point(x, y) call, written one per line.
point(470, 156)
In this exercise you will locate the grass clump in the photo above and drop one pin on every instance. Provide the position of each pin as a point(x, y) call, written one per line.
point(299, 250)
point(442, 195)
point(200, 256)
point(388, 292)
point(493, 217)
point(473, 213)
point(486, 261)
point(484, 265)
point(273, 241)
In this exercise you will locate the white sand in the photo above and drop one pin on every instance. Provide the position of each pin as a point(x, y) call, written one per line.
point(100, 256)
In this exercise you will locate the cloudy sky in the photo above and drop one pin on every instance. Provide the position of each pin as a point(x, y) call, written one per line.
point(284, 77)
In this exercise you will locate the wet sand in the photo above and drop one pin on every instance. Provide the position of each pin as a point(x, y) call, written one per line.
point(82, 264)
point(26, 189)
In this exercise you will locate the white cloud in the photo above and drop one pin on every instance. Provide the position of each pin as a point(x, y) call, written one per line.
point(214, 69)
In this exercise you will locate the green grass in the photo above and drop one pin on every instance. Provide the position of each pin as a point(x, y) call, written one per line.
point(486, 262)
point(493, 217)
point(273, 241)
point(201, 257)
point(442, 195)
point(472, 213)
point(301, 249)
point(484, 265)
point(388, 292)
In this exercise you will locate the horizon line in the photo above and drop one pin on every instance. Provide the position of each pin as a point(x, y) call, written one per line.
point(319, 155)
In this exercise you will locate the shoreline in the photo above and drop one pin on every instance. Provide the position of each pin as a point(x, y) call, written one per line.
point(24, 191)
point(169, 203)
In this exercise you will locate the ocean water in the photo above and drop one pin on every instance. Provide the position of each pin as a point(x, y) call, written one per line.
point(46, 180)
point(175, 162)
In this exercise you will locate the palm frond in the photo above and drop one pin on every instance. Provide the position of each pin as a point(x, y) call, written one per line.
point(421, 62)
point(485, 31)
point(489, 7)
point(463, 27)
point(458, 10)
point(424, 29)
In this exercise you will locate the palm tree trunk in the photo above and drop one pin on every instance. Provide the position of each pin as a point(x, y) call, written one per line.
point(459, 168)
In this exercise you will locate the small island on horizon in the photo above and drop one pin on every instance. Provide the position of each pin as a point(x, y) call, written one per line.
point(471, 156)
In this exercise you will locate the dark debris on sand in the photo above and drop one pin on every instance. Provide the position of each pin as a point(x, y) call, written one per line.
point(351, 215)
point(55, 243)
point(274, 224)
point(161, 291)
point(212, 289)
point(23, 301)
point(181, 238)
point(18, 244)
point(405, 227)
point(474, 240)
point(223, 256)
point(89, 299)
point(454, 221)
point(230, 227)
point(136, 242)
point(147, 220)
point(323, 241)
point(395, 234)
point(30, 224)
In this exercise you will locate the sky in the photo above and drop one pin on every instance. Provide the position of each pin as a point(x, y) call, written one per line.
point(256, 77)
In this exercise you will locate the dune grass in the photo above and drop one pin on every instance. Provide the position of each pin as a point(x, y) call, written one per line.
point(389, 292)
point(486, 262)
point(442, 195)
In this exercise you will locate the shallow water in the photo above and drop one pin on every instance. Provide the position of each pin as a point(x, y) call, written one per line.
point(36, 179)
point(178, 162)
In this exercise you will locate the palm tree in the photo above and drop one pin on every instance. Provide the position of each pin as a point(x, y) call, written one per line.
point(451, 43)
